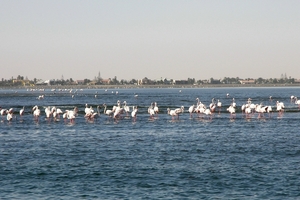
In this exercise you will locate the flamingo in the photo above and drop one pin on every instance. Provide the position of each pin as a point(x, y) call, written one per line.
point(172, 113)
point(56, 114)
point(293, 98)
point(175, 112)
point(191, 110)
point(65, 115)
point(71, 114)
point(117, 113)
point(297, 102)
point(243, 108)
point(231, 109)
point(248, 111)
point(40, 97)
point(87, 109)
point(212, 105)
point(200, 108)
point(126, 108)
point(36, 112)
point(208, 113)
point(88, 112)
point(9, 115)
point(108, 112)
point(219, 104)
point(3, 112)
point(134, 112)
point(151, 111)
point(48, 112)
point(262, 109)
point(233, 102)
point(279, 107)
point(156, 110)
point(22, 111)
point(94, 116)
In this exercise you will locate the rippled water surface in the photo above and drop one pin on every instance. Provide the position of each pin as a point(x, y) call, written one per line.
point(222, 157)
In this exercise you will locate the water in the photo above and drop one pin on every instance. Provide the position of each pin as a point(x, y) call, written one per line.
point(199, 158)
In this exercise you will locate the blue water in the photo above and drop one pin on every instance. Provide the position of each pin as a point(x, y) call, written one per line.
point(160, 158)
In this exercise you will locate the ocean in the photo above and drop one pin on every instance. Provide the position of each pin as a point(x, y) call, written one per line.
point(221, 156)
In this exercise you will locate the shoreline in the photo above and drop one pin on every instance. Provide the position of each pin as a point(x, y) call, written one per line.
point(148, 86)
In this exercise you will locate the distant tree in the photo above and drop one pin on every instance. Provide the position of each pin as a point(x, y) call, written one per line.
point(133, 81)
point(114, 81)
point(199, 82)
point(86, 81)
point(259, 80)
point(191, 80)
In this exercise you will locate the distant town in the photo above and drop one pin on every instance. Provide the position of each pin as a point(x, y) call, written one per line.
point(20, 81)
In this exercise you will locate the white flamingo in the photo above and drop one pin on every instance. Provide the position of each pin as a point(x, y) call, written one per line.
point(40, 97)
point(22, 111)
point(175, 112)
point(191, 110)
point(297, 102)
point(293, 98)
point(233, 102)
point(71, 114)
point(212, 105)
point(94, 115)
point(231, 110)
point(156, 110)
point(3, 112)
point(126, 108)
point(260, 109)
point(208, 113)
point(36, 112)
point(86, 108)
point(56, 114)
point(151, 111)
point(134, 112)
point(9, 115)
point(108, 112)
point(248, 111)
point(117, 113)
point(279, 107)
point(88, 112)
point(219, 105)
point(48, 112)
point(200, 108)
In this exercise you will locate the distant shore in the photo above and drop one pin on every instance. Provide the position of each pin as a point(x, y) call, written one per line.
point(147, 86)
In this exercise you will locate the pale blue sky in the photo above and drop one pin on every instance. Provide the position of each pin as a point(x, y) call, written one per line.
point(174, 39)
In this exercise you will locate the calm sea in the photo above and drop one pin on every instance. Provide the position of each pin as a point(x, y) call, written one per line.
point(162, 158)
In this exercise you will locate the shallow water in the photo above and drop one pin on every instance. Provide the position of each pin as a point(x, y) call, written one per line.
point(185, 158)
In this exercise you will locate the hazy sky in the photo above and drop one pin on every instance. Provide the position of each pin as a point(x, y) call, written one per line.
point(174, 39)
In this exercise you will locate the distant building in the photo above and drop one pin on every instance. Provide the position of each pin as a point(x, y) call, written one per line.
point(22, 82)
point(180, 82)
point(92, 83)
point(106, 81)
point(80, 82)
point(41, 82)
point(252, 81)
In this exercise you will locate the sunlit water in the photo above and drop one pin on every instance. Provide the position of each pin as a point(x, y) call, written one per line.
point(187, 158)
